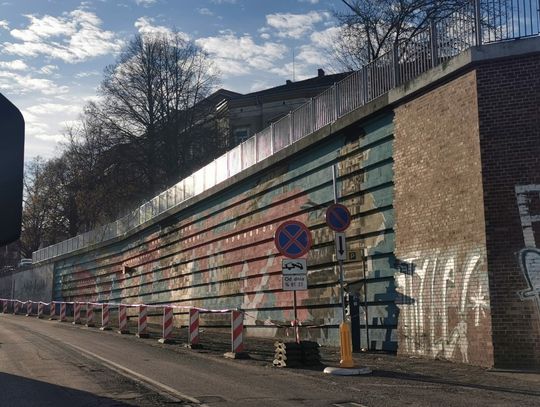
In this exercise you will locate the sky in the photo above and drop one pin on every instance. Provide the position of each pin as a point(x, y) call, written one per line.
point(53, 52)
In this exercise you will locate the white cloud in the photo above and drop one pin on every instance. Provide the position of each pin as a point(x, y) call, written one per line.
point(53, 108)
point(4, 24)
point(48, 69)
point(74, 37)
point(224, 1)
point(145, 26)
point(87, 74)
point(295, 25)
point(320, 49)
point(22, 84)
point(16, 65)
point(205, 12)
point(309, 1)
point(145, 3)
point(239, 55)
point(56, 138)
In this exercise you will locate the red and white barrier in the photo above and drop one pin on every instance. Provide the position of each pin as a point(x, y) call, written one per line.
point(122, 320)
point(167, 325)
point(52, 311)
point(77, 313)
point(29, 308)
point(237, 321)
point(90, 314)
point(5, 306)
point(40, 309)
point(142, 325)
point(63, 312)
point(16, 306)
point(193, 336)
point(105, 315)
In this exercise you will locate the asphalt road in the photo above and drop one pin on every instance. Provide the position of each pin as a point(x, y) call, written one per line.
point(45, 361)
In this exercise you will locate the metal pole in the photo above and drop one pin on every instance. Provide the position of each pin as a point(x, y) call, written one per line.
point(340, 262)
point(434, 44)
point(296, 335)
point(364, 264)
point(478, 22)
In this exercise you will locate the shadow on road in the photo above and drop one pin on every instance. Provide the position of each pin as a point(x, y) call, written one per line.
point(17, 391)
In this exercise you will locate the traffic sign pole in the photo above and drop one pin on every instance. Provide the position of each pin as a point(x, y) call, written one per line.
point(344, 328)
point(293, 240)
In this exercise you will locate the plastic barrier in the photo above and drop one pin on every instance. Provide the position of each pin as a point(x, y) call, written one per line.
point(105, 315)
point(76, 313)
point(90, 314)
point(237, 318)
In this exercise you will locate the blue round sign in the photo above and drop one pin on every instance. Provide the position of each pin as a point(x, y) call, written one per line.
point(338, 217)
point(293, 239)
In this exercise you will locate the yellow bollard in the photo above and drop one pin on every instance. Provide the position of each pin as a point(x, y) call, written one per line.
point(346, 345)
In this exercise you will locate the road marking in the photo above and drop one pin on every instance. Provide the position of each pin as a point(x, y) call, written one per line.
point(137, 376)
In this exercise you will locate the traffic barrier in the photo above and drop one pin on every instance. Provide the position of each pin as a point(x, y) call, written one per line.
point(28, 308)
point(76, 313)
point(63, 312)
point(237, 321)
point(16, 306)
point(122, 320)
point(90, 314)
point(193, 336)
point(52, 311)
point(142, 326)
point(167, 325)
point(105, 315)
point(40, 309)
point(5, 306)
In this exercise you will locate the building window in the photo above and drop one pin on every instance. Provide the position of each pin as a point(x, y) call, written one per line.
point(240, 134)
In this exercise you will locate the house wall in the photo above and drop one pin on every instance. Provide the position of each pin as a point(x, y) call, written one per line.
point(509, 113)
point(440, 229)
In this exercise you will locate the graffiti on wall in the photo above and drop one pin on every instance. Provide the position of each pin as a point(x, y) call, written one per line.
point(444, 295)
point(528, 201)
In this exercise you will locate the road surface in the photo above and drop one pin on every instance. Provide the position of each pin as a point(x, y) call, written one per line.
point(46, 363)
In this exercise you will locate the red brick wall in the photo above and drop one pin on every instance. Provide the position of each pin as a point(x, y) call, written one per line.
point(440, 230)
point(509, 115)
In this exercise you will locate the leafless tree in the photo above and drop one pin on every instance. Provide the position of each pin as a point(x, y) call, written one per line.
point(370, 28)
point(150, 100)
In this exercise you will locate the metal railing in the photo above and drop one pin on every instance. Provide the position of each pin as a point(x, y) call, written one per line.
point(480, 22)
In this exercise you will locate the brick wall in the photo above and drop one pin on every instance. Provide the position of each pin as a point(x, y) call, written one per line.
point(509, 112)
point(440, 230)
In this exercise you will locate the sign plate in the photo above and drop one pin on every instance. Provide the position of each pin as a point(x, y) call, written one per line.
point(292, 239)
point(341, 247)
point(294, 282)
point(294, 266)
point(338, 217)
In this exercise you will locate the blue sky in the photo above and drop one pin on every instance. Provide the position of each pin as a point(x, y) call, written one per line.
point(53, 52)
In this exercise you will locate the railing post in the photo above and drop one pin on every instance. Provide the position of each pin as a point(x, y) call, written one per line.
point(365, 85)
point(478, 22)
point(336, 101)
point(313, 114)
point(271, 138)
point(433, 38)
point(395, 65)
point(290, 128)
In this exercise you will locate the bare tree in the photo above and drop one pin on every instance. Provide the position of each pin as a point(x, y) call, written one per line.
point(370, 28)
point(150, 97)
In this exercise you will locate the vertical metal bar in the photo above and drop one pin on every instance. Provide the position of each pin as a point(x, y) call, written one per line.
point(271, 138)
point(364, 265)
point(290, 129)
point(395, 66)
point(478, 22)
point(340, 262)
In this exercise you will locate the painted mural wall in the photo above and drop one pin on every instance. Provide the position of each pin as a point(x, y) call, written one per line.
point(219, 252)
